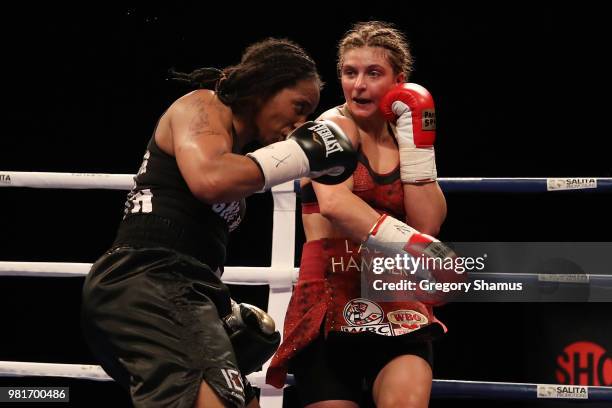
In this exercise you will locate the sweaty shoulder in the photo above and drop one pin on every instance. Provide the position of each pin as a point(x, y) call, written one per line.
point(195, 115)
point(348, 126)
point(201, 101)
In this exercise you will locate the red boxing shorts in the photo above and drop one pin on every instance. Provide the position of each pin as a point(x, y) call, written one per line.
point(328, 293)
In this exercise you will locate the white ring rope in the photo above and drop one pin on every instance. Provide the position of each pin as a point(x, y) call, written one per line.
point(235, 275)
point(81, 371)
point(66, 180)
point(78, 180)
point(25, 369)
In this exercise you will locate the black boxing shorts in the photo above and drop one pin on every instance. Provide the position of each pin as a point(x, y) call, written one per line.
point(151, 317)
point(336, 368)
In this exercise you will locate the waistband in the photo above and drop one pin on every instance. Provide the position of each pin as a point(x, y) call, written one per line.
point(151, 230)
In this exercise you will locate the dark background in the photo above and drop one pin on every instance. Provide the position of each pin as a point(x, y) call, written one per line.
point(520, 91)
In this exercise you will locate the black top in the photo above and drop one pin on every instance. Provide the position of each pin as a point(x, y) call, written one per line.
point(161, 211)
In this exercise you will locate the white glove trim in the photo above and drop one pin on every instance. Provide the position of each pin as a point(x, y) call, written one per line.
point(417, 164)
point(281, 162)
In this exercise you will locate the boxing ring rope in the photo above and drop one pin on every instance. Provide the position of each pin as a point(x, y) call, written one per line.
point(448, 184)
point(233, 275)
point(281, 275)
point(441, 388)
point(244, 275)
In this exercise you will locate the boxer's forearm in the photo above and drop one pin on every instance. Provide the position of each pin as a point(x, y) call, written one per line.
point(425, 207)
point(346, 211)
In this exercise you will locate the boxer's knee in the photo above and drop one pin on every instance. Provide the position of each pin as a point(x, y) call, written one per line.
point(207, 398)
point(403, 382)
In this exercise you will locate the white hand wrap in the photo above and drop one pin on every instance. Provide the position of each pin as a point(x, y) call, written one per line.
point(417, 164)
point(389, 236)
point(281, 162)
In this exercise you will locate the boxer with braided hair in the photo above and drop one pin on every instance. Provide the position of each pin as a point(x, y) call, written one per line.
point(155, 312)
point(262, 72)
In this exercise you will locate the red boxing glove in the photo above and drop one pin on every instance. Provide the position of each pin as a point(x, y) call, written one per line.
point(392, 237)
point(411, 107)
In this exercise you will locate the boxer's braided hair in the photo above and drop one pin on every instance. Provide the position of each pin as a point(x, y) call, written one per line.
point(265, 68)
point(378, 34)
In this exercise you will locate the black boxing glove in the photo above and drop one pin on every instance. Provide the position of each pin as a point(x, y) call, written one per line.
point(330, 152)
point(319, 150)
point(253, 335)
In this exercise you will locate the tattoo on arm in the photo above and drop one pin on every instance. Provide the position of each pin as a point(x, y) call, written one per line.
point(199, 124)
